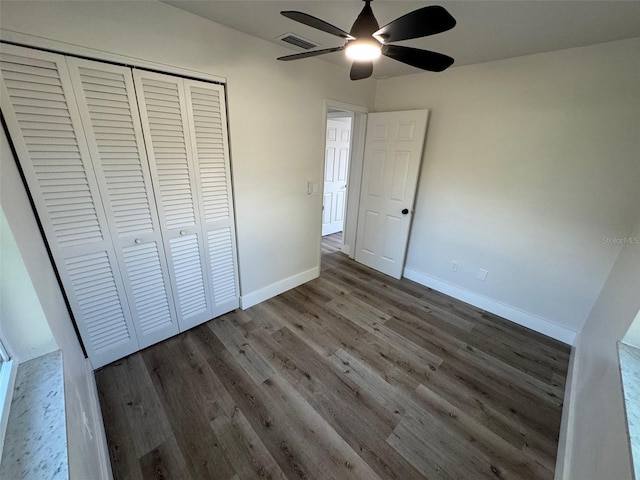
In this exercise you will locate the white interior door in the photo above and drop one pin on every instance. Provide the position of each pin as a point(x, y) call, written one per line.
point(392, 157)
point(336, 168)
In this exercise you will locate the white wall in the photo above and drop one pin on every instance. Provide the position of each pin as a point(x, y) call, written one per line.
point(23, 324)
point(529, 163)
point(84, 442)
point(597, 439)
point(276, 113)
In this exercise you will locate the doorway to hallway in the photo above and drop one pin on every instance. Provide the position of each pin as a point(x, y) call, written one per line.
point(336, 170)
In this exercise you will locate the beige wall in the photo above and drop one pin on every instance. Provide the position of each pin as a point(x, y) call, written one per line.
point(597, 439)
point(529, 163)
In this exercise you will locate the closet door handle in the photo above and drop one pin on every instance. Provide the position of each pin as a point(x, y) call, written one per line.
point(138, 240)
point(183, 232)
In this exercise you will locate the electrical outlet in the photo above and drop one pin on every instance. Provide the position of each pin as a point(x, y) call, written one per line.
point(482, 274)
point(454, 266)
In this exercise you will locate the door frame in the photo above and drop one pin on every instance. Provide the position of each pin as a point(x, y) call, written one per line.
point(339, 114)
point(354, 176)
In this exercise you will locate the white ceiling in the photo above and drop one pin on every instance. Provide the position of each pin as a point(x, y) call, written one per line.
point(485, 30)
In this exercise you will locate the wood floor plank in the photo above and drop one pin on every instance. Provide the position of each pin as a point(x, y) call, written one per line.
point(500, 451)
point(244, 449)
point(171, 373)
point(256, 366)
point(479, 372)
point(301, 441)
point(262, 319)
point(124, 461)
point(354, 417)
point(305, 323)
point(535, 358)
point(352, 376)
point(143, 408)
point(345, 332)
point(333, 457)
point(411, 438)
point(401, 300)
point(267, 420)
point(164, 462)
point(439, 446)
point(332, 243)
point(373, 321)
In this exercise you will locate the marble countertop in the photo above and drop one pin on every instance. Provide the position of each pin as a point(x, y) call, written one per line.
point(36, 440)
point(630, 370)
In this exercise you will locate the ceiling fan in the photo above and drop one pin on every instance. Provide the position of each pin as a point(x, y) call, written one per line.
point(367, 41)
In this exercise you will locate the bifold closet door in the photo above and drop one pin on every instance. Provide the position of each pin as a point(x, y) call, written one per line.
point(164, 119)
point(208, 124)
point(39, 106)
point(109, 112)
point(186, 137)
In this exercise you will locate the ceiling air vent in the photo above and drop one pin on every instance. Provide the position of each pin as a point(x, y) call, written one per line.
point(297, 41)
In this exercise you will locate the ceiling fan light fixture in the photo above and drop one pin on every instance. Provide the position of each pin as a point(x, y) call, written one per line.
point(363, 50)
point(367, 41)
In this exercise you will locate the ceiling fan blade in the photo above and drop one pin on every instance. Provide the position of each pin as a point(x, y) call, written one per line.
point(424, 59)
point(419, 23)
point(312, 53)
point(316, 23)
point(361, 70)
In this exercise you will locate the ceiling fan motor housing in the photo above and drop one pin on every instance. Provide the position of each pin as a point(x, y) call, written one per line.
point(366, 23)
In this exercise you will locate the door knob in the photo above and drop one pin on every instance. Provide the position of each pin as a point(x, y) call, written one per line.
point(138, 240)
point(405, 211)
point(183, 232)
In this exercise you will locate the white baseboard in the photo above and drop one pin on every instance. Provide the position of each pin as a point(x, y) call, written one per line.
point(565, 440)
point(526, 319)
point(265, 293)
point(98, 426)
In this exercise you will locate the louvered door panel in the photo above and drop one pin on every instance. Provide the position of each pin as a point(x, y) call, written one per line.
point(208, 124)
point(153, 303)
point(109, 112)
point(41, 113)
point(223, 268)
point(189, 275)
point(174, 171)
point(98, 298)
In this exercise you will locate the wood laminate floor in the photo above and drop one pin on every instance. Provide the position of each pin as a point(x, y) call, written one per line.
point(332, 243)
point(351, 376)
